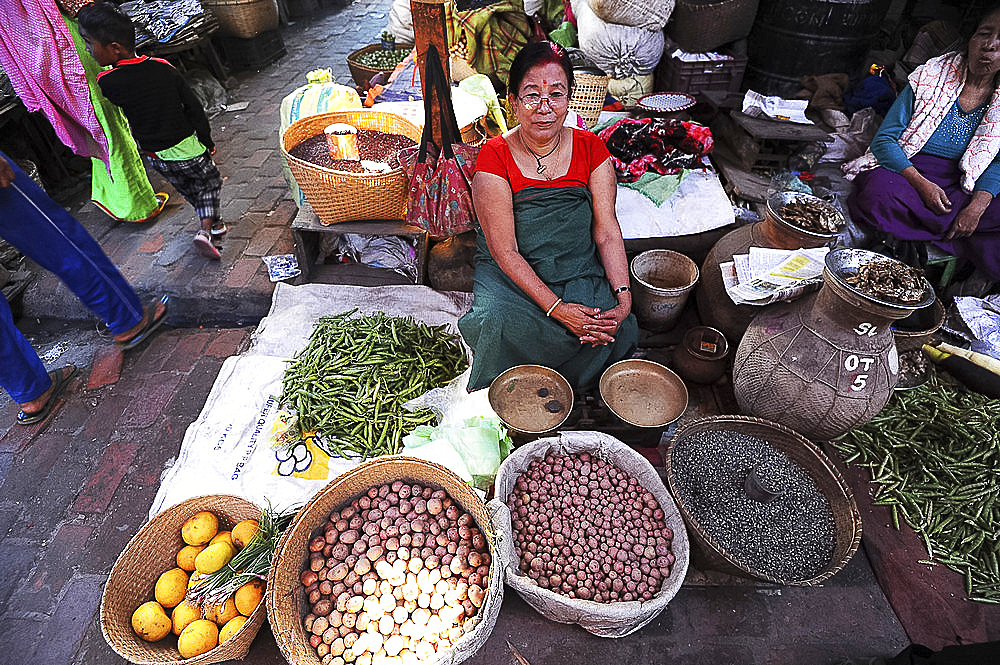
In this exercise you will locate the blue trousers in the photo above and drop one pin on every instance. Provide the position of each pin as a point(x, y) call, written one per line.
point(44, 232)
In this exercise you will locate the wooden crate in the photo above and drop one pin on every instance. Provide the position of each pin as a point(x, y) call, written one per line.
point(307, 233)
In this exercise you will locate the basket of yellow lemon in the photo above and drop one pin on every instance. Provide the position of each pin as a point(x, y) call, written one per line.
point(184, 590)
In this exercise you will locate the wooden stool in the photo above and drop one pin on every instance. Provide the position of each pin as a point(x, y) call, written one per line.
point(947, 262)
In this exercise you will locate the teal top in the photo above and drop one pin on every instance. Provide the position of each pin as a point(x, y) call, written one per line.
point(949, 140)
point(505, 327)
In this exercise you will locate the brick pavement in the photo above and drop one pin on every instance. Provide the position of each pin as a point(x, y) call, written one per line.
point(157, 257)
point(75, 489)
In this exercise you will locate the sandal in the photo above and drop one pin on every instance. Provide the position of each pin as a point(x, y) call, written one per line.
point(219, 229)
point(60, 379)
point(152, 318)
point(203, 243)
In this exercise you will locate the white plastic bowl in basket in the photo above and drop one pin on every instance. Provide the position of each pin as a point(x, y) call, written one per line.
point(601, 619)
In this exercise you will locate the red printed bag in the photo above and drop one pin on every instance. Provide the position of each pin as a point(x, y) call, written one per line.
point(440, 195)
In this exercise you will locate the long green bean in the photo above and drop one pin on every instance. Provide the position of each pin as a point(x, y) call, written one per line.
point(351, 380)
point(934, 455)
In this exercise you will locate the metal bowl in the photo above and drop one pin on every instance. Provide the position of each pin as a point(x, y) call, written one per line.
point(777, 201)
point(643, 393)
point(843, 263)
point(514, 395)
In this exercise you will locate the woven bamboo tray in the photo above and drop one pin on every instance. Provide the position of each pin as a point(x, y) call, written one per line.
point(337, 196)
point(149, 554)
point(810, 458)
point(363, 73)
point(244, 18)
point(286, 601)
point(589, 93)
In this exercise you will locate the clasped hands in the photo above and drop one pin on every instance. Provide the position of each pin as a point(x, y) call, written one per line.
point(591, 324)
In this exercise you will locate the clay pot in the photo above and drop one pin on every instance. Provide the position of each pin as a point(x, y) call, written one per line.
point(825, 363)
point(715, 307)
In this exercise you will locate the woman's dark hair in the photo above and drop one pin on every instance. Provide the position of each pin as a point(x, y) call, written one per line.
point(969, 28)
point(106, 23)
point(533, 55)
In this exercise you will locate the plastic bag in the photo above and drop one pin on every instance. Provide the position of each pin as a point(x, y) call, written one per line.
point(319, 95)
point(469, 438)
point(208, 90)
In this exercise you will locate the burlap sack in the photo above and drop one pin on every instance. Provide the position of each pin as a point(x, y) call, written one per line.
point(601, 619)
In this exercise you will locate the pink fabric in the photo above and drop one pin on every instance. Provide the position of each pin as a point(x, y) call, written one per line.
point(936, 86)
point(37, 53)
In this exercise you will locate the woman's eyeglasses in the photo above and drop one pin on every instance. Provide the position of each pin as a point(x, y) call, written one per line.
point(533, 100)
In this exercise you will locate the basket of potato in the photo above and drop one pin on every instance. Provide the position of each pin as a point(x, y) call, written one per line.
point(393, 562)
point(149, 611)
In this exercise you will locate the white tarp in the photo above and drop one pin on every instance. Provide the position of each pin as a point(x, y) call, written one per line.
point(226, 450)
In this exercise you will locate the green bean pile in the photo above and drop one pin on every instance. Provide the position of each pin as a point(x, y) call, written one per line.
point(934, 454)
point(351, 380)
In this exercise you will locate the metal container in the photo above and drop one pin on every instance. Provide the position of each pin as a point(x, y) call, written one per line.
point(701, 355)
point(523, 397)
point(643, 393)
point(825, 363)
point(662, 280)
point(915, 330)
point(795, 38)
point(715, 307)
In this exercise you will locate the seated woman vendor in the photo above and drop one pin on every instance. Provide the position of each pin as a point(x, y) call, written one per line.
point(933, 171)
point(551, 279)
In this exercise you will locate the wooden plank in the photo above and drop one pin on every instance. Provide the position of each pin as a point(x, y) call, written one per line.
point(743, 184)
point(764, 128)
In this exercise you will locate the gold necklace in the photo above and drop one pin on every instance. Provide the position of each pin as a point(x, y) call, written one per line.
point(538, 159)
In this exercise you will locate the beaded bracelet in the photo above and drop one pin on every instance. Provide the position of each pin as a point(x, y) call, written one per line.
point(621, 289)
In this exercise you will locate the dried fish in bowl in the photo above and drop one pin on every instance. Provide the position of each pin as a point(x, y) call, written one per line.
point(890, 280)
point(812, 214)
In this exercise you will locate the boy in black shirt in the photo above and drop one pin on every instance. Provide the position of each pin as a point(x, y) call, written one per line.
point(166, 119)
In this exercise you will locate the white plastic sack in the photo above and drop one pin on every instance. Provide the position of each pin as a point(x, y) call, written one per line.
point(401, 21)
point(648, 14)
point(601, 619)
point(629, 90)
point(699, 204)
point(619, 50)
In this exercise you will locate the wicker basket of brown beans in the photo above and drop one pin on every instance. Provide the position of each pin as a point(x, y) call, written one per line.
point(392, 562)
point(594, 536)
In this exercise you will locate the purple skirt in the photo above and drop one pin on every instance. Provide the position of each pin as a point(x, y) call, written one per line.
point(886, 201)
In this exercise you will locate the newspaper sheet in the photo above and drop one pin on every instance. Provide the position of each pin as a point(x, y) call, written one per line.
point(766, 275)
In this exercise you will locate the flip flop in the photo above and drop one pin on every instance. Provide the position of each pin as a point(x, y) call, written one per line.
point(60, 379)
point(217, 231)
point(153, 320)
point(203, 244)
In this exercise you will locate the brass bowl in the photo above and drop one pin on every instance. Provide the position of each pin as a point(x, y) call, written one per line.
point(643, 393)
point(514, 395)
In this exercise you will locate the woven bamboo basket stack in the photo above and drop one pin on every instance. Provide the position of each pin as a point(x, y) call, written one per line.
point(150, 553)
point(244, 18)
point(702, 25)
point(805, 454)
point(338, 196)
point(589, 93)
point(286, 598)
